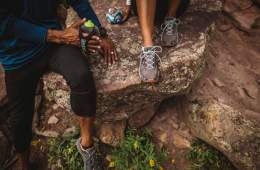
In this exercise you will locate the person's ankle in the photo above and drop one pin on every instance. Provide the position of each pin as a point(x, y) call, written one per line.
point(86, 144)
point(147, 46)
point(148, 43)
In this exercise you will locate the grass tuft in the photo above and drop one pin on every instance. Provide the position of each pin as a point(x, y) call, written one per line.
point(206, 157)
point(137, 152)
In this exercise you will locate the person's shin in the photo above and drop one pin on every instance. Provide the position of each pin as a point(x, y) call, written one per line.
point(23, 159)
point(146, 13)
point(148, 41)
point(174, 5)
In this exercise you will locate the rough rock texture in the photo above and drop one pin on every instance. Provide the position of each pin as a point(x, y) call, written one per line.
point(205, 5)
point(121, 95)
point(170, 132)
point(223, 108)
point(244, 13)
point(112, 133)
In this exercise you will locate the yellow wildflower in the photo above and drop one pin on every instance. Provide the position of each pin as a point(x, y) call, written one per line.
point(112, 164)
point(70, 150)
point(173, 161)
point(136, 145)
point(35, 142)
point(151, 163)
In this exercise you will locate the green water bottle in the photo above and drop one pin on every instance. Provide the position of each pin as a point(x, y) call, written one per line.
point(89, 28)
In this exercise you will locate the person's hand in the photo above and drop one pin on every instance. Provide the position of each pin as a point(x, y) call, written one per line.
point(71, 34)
point(108, 51)
point(93, 44)
point(126, 13)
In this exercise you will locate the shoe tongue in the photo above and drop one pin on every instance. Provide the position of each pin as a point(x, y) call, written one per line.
point(169, 20)
point(146, 49)
point(89, 149)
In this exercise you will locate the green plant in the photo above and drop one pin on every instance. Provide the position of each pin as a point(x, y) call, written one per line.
point(205, 157)
point(63, 152)
point(137, 152)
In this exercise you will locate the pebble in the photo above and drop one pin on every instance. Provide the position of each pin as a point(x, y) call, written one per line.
point(55, 107)
point(180, 142)
point(163, 137)
point(70, 132)
point(109, 158)
point(53, 120)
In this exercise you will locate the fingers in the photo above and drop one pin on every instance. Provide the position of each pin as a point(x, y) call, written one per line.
point(112, 56)
point(92, 50)
point(96, 38)
point(105, 47)
point(94, 47)
point(93, 42)
point(78, 23)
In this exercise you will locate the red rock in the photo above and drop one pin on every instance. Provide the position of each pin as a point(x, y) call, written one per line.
point(242, 12)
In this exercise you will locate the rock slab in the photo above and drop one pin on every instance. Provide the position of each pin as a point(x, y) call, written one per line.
point(120, 91)
point(223, 107)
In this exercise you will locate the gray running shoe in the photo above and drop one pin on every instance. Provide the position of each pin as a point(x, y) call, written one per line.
point(149, 64)
point(90, 157)
point(169, 32)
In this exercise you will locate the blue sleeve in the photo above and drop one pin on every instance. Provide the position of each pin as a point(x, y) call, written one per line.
point(84, 10)
point(20, 29)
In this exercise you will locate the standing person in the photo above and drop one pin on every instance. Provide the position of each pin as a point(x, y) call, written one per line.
point(164, 12)
point(31, 40)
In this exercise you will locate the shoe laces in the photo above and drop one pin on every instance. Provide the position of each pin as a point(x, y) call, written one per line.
point(169, 27)
point(90, 152)
point(92, 158)
point(150, 57)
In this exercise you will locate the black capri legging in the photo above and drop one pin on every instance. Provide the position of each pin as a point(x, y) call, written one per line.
point(21, 86)
point(162, 7)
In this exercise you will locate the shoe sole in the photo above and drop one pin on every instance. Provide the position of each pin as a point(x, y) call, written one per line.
point(168, 46)
point(152, 81)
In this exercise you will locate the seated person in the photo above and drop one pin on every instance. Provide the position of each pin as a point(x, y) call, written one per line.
point(163, 12)
point(32, 40)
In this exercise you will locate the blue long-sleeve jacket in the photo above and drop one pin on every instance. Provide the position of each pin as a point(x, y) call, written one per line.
point(24, 25)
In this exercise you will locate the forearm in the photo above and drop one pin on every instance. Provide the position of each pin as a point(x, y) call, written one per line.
point(67, 36)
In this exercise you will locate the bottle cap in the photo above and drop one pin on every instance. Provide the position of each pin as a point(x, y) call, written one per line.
point(89, 24)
